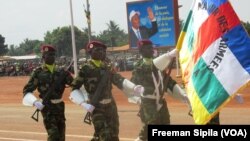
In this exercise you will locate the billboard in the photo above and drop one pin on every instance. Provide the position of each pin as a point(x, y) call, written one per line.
point(156, 20)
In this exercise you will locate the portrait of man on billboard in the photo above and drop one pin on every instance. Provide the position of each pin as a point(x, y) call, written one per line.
point(153, 20)
point(138, 31)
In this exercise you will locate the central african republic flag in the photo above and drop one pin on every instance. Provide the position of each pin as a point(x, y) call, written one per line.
point(214, 55)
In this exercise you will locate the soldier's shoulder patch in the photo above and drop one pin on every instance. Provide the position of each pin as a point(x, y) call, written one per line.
point(81, 67)
point(84, 64)
point(138, 63)
point(37, 69)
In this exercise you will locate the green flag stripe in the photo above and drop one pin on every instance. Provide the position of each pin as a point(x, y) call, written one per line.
point(188, 29)
point(190, 39)
point(187, 21)
point(210, 91)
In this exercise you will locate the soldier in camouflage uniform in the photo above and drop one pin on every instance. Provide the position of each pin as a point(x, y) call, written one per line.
point(215, 120)
point(102, 105)
point(150, 73)
point(50, 83)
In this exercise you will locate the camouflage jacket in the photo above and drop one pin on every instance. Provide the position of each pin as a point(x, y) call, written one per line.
point(42, 80)
point(142, 75)
point(90, 76)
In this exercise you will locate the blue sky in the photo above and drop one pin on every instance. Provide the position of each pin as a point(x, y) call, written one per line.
point(21, 19)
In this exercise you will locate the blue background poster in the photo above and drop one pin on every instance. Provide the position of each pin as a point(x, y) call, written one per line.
point(164, 13)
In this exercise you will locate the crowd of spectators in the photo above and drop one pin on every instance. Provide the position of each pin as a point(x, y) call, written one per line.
point(124, 64)
point(25, 67)
point(17, 68)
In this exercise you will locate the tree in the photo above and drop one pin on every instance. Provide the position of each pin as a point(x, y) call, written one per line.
point(3, 47)
point(247, 26)
point(61, 38)
point(113, 36)
point(12, 51)
point(30, 46)
point(25, 48)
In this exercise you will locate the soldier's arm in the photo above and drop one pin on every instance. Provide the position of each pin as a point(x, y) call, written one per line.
point(79, 79)
point(133, 77)
point(131, 90)
point(32, 83)
point(78, 96)
point(174, 89)
point(117, 80)
point(28, 96)
point(68, 78)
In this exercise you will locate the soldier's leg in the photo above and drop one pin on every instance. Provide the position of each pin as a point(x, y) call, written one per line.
point(142, 133)
point(101, 126)
point(164, 115)
point(51, 127)
point(113, 122)
point(149, 115)
point(54, 122)
point(61, 128)
point(98, 120)
point(215, 120)
point(60, 117)
point(95, 137)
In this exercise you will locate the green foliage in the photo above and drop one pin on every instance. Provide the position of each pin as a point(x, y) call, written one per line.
point(12, 51)
point(30, 46)
point(247, 26)
point(25, 48)
point(113, 36)
point(61, 38)
point(3, 47)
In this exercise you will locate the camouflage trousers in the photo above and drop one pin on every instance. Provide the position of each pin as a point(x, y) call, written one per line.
point(150, 115)
point(215, 120)
point(54, 121)
point(106, 122)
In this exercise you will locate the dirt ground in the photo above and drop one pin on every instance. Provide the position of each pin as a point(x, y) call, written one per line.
point(16, 124)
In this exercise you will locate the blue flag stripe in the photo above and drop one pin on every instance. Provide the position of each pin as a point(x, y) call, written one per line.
point(239, 44)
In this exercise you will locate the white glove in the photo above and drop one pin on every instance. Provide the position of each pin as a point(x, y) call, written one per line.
point(239, 98)
point(88, 107)
point(135, 100)
point(38, 105)
point(138, 90)
point(172, 53)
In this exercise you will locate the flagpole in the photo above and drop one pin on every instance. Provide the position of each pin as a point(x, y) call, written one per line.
point(73, 39)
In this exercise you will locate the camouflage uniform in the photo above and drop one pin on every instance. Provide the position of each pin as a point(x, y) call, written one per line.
point(142, 75)
point(215, 120)
point(105, 115)
point(53, 112)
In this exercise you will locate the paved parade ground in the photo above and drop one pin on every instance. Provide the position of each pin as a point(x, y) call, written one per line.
point(16, 124)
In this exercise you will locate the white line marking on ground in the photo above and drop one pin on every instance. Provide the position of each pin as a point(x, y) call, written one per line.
point(15, 139)
point(37, 133)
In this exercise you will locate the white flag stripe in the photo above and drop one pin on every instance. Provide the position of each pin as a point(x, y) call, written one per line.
point(229, 71)
point(199, 16)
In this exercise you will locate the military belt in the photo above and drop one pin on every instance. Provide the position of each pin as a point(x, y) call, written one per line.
point(56, 101)
point(105, 101)
point(149, 96)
